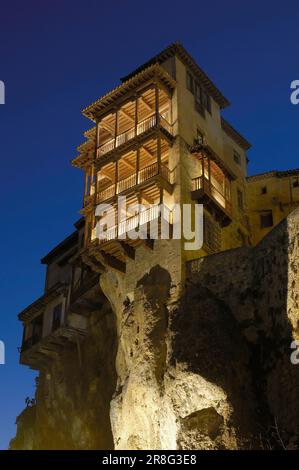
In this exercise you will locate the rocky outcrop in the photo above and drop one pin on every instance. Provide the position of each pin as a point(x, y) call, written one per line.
point(166, 366)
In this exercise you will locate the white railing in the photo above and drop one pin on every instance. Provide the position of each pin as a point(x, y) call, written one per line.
point(130, 223)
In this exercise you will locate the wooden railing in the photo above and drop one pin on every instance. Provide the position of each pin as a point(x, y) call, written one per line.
point(106, 193)
point(126, 136)
point(146, 124)
point(148, 172)
point(106, 147)
point(143, 175)
point(202, 182)
point(126, 183)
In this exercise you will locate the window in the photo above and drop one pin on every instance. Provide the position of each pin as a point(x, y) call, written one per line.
point(190, 82)
point(237, 157)
point(37, 328)
point(197, 93)
point(209, 107)
point(296, 183)
point(240, 199)
point(202, 99)
point(199, 106)
point(57, 311)
point(264, 190)
point(266, 219)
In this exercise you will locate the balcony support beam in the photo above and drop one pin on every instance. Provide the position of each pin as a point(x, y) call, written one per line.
point(149, 243)
point(111, 261)
point(127, 250)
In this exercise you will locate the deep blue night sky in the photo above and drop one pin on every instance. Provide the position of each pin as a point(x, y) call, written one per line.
point(56, 57)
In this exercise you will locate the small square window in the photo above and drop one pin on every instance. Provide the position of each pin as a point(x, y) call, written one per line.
point(266, 219)
point(190, 82)
point(237, 157)
point(264, 190)
point(296, 183)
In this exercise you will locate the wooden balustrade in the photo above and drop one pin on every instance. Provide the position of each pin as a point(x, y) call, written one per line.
point(143, 175)
point(202, 182)
point(130, 223)
point(126, 136)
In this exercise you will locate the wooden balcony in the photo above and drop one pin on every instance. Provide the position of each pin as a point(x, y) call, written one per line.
point(130, 223)
point(115, 245)
point(48, 334)
point(36, 352)
point(213, 199)
point(142, 127)
point(145, 175)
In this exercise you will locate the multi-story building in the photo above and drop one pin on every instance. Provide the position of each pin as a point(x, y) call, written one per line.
point(271, 197)
point(158, 137)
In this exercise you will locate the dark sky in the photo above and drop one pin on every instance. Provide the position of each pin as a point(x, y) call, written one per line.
point(58, 56)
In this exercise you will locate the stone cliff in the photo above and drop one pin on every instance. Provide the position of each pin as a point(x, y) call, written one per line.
point(205, 365)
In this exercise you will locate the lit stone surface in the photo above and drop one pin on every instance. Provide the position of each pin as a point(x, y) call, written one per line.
point(207, 369)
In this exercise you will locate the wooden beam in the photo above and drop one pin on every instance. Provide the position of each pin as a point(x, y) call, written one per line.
point(152, 155)
point(104, 173)
point(130, 165)
point(149, 243)
point(93, 263)
point(146, 104)
point(127, 250)
point(107, 127)
point(147, 198)
point(111, 261)
point(127, 115)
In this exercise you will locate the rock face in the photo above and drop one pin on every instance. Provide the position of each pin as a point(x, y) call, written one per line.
point(203, 365)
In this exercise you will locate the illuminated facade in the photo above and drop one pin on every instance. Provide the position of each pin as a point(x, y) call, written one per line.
point(157, 138)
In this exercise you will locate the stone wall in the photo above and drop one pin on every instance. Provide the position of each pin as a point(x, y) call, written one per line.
point(206, 366)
